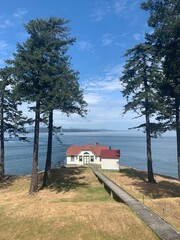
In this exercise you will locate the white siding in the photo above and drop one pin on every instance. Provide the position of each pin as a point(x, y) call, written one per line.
point(110, 164)
point(85, 156)
point(73, 160)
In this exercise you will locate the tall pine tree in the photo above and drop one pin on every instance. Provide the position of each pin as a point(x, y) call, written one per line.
point(11, 119)
point(165, 20)
point(66, 96)
point(139, 80)
point(36, 65)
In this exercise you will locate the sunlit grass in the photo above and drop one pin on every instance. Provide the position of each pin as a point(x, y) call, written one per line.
point(78, 209)
point(163, 197)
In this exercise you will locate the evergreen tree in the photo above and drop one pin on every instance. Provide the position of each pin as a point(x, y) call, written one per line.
point(165, 20)
point(11, 119)
point(67, 97)
point(36, 66)
point(140, 76)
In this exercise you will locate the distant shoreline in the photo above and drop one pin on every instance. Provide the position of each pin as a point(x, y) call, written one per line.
point(45, 130)
point(88, 130)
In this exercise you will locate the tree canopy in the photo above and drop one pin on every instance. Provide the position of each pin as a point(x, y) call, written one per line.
point(165, 20)
point(12, 120)
point(43, 75)
point(139, 80)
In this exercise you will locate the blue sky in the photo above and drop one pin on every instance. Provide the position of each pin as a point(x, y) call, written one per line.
point(104, 30)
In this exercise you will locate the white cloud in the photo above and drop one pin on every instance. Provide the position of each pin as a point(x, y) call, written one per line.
point(105, 104)
point(85, 46)
point(105, 107)
point(101, 10)
point(99, 14)
point(121, 44)
point(92, 98)
point(20, 12)
point(1, 62)
point(125, 8)
point(3, 45)
point(4, 52)
point(137, 36)
point(104, 97)
point(107, 39)
point(7, 23)
point(110, 39)
point(121, 8)
point(103, 84)
point(114, 70)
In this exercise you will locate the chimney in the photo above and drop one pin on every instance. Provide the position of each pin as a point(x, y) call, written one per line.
point(109, 147)
point(97, 144)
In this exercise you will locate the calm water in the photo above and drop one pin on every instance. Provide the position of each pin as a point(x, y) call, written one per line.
point(18, 155)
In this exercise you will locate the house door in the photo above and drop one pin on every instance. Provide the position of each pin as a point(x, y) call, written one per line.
point(86, 159)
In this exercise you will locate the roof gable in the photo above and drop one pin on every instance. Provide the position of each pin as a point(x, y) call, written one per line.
point(75, 150)
point(97, 150)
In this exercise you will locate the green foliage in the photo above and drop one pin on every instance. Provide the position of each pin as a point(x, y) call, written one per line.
point(140, 76)
point(165, 19)
point(43, 74)
point(13, 119)
point(42, 68)
point(140, 79)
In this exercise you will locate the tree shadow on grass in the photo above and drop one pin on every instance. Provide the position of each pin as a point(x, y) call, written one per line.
point(66, 179)
point(7, 181)
point(165, 187)
point(134, 173)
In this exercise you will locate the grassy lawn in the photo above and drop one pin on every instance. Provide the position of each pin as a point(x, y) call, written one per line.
point(163, 197)
point(75, 206)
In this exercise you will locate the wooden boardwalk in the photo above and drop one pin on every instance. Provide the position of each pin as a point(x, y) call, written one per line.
point(164, 230)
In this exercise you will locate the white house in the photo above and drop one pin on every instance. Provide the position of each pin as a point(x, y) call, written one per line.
point(96, 154)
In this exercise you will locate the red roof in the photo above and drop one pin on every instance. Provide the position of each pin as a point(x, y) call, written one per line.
point(110, 153)
point(73, 150)
point(98, 150)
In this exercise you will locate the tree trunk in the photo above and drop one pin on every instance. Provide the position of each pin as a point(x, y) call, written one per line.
point(178, 133)
point(2, 138)
point(149, 155)
point(47, 172)
point(34, 176)
point(148, 132)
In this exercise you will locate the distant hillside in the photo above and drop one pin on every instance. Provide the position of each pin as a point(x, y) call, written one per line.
point(45, 130)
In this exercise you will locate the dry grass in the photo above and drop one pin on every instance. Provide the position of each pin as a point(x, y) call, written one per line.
point(163, 197)
point(75, 206)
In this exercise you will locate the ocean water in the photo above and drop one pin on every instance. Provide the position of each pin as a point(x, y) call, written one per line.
point(18, 155)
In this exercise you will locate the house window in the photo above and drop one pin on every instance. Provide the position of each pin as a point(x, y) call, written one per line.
point(92, 158)
point(72, 158)
point(80, 158)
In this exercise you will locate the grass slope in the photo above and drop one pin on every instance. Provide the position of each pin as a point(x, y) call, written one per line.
point(163, 197)
point(75, 206)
